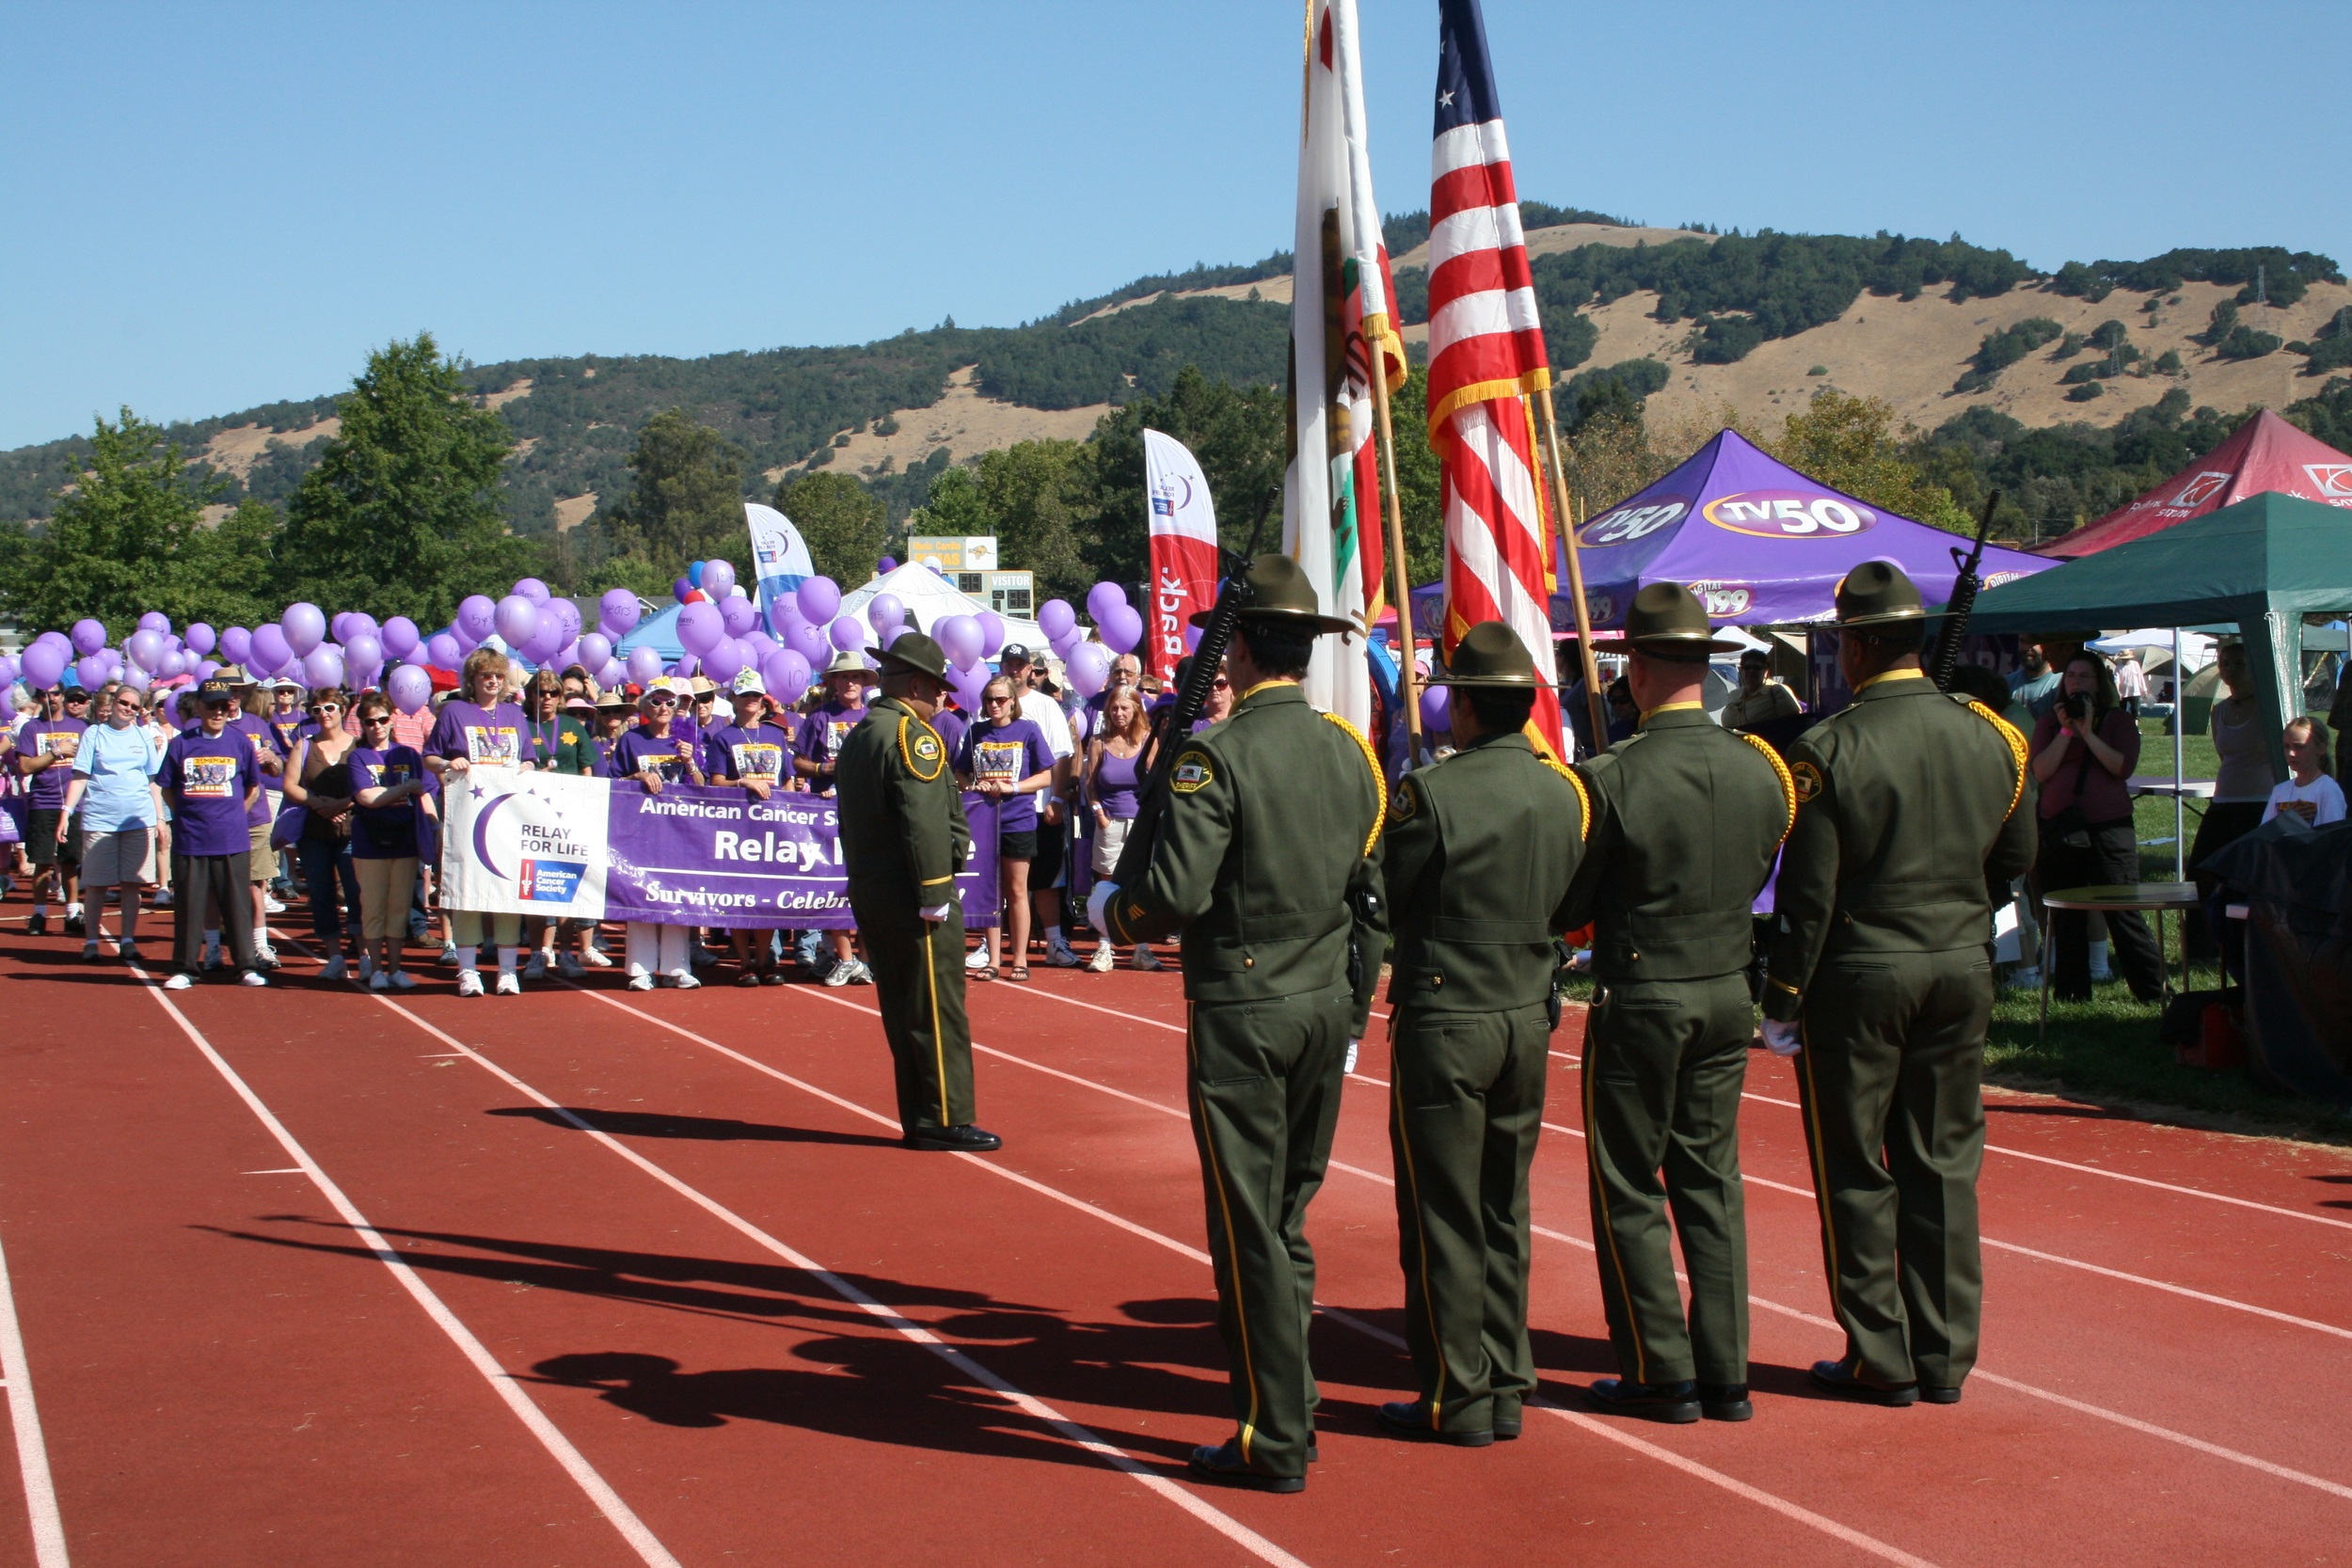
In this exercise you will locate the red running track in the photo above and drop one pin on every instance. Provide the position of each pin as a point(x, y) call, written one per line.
point(303, 1276)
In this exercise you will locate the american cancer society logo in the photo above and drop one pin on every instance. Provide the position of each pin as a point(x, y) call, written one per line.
point(548, 881)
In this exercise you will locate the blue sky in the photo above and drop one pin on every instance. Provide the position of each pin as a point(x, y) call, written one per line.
point(212, 206)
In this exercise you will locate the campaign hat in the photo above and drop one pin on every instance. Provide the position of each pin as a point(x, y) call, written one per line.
point(913, 651)
point(849, 662)
point(1281, 593)
point(1490, 654)
point(1878, 594)
point(1667, 618)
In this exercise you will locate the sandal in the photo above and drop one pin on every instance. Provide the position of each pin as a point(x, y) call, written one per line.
point(979, 973)
point(1020, 975)
point(747, 978)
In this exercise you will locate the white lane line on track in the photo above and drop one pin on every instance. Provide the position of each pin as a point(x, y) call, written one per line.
point(1116, 1458)
point(1990, 1149)
point(631, 1528)
point(32, 1449)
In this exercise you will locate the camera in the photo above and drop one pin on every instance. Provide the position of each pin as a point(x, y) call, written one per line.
point(2077, 706)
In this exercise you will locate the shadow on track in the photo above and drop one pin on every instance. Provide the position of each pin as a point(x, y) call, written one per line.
point(655, 1124)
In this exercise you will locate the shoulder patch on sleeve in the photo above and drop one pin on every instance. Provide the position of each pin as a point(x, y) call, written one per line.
point(1804, 780)
point(1788, 780)
point(2016, 743)
point(1403, 800)
point(1583, 800)
point(920, 749)
point(1380, 783)
point(1192, 772)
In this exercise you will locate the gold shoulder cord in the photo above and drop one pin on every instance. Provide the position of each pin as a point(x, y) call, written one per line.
point(1583, 801)
point(2007, 732)
point(906, 756)
point(1379, 785)
point(1788, 784)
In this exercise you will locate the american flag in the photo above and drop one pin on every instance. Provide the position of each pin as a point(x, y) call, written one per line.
point(1486, 363)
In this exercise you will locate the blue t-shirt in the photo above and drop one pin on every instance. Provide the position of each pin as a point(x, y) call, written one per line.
point(117, 766)
point(1006, 754)
point(208, 777)
point(2037, 692)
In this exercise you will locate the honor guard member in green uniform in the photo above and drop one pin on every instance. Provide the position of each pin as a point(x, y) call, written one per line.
point(1880, 983)
point(903, 839)
point(1686, 817)
point(1264, 858)
point(1476, 862)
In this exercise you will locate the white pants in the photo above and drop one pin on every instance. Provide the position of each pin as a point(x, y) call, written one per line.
point(657, 948)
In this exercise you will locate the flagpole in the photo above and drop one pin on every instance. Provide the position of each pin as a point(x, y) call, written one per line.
point(1575, 573)
point(1401, 577)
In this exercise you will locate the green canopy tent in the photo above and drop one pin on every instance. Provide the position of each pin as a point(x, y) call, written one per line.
point(2264, 562)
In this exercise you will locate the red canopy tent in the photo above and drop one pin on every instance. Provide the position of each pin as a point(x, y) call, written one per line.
point(2266, 454)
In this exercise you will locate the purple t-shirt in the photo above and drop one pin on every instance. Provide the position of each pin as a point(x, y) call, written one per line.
point(1115, 782)
point(488, 738)
point(761, 752)
point(206, 778)
point(641, 748)
point(384, 832)
point(1006, 754)
point(257, 734)
point(47, 788)
point(821, 735)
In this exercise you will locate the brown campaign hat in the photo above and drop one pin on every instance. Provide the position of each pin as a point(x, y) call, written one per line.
point(1667, 618)
point(912, 650)
point(1490, 654)
point(703, 687)
point(849, 662)
point(1281, 593)
point(1877, 594)
point(234, 674)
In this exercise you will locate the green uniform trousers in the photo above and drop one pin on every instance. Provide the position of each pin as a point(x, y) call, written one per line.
point(1664, 1062)
point(1894, 1113)
point(919, 986)
point(1466, 1102)
point(1265, 1097)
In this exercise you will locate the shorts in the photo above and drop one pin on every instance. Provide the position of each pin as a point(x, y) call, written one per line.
point(1109, 839)
point(1045, 867)
point(125, 857)
point(265, 858)
point(1016, 847)
point(40, 839)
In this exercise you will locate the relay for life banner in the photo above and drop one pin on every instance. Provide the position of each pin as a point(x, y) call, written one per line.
point(577, 848)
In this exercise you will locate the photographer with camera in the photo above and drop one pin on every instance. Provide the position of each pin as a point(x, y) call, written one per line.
point(2083, 751)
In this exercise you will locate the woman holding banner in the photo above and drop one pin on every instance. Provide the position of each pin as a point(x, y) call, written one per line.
point(659, 750)
point(487, 732)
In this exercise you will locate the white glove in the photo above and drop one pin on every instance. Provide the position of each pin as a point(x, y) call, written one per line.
point(1782, 1039)
point(1353, 1046)
point(1098, 906)
point(938, 912)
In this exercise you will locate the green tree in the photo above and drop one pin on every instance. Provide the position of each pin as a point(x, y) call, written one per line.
point(402, 517)
point(1851, 444)
point(1043, 496)
point(844, 524)
point(1235, 432)
point(955, 508)
point(129, 536)
point(686, 501)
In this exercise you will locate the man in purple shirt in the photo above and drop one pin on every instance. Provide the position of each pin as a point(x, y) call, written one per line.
point(212, 780)
point(45, 746)
point(245, 722)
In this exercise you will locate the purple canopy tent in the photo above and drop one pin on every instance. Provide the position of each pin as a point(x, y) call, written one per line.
point(1761, 542)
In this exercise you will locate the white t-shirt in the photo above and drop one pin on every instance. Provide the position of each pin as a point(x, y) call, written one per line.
point(2323, 792)
point(1047, 715)
point(2130, 680)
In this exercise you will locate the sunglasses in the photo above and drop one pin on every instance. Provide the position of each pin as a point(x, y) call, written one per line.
point(73, 697)
point(666, 700)
point(375, 718)
point(1220, 684)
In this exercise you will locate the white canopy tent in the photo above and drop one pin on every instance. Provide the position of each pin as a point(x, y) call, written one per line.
point(933, 598)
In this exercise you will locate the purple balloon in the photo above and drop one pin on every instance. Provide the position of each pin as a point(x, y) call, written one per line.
point(1054, 618)
point(596, 650)
point(304, 625)
point(477, 616)
point(808, 639)
point(534, 589)
point(146, 647)
point(718, 577)
point(886, 565)
point(201, 639)
point(547, 644)
point(270, 649)
point(968, 685)
point(42, 666)
point(959, 638)
point(741, 616)
point(1192, 637)
point(357, 623)
point(338, 628)
point(516, 619)
point(409, 688)
point(89, 635)
point(236, 645)
point(207, 669)
point(400, 637)
point(1122, 627)
point(887, 613)
point(725, 658)
point(645, 664)
point(847, 633)
point(364, 651)
point(1437, 707)
point(699, 626)
point(1102, 599)
point(820, 599)
point(618, 610)
point(787, 675)
point(992, 632)
point(154, 620)
point(323, 666)
point(443, 650)
point(568, 614)
point(1089, 667)
point(94, 669)
point(613, 675)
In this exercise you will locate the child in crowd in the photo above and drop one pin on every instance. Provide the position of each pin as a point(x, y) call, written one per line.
point(2309, 794)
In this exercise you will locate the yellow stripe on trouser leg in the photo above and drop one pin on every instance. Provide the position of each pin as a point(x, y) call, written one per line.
point(939, 1043)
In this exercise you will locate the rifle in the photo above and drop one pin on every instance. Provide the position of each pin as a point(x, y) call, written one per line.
point(1964, 601)
point(1232, 597)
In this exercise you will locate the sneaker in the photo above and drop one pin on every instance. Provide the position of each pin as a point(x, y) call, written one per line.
point(508, 985)
point(469, 982)
point(536, 968)
point(449, 953)
point(272, 906)
point(253, 977)
point(265, 956)
point(569, 966)
point(859, 973)
point(2022, 979)
point(89, 950)
point(337, 967)
point(403, 980)
point(1147, 959)
point(1104, 955)
point(367, 966)
point(38, 924)
point(683, 979)
point(179, 981)
point(73, 920)
point(127, 950)
point(977, 960)
point(839, 974)
point(594, 959)
point(379, 981)
point(1060, 956)
point(162, 899)
point(640, 982)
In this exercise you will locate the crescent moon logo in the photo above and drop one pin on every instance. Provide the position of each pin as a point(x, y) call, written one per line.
point(1187, 500)
point(481, 836)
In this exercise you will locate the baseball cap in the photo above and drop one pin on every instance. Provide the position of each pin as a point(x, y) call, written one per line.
point(746, 681)
point(1013, 653)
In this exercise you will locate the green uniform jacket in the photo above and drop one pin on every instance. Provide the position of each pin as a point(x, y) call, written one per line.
point(1909, 802)
point(902, 827)
point(1686, 817)
point(1476, 859)
point(1265, 854)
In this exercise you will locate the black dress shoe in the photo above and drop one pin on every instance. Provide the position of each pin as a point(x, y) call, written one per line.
point(1724, 1401)
point(1835, 1377)
point(1222, 1463)
point(1676, 1403)
point(1506, 1427)
point(1935, 1395)
point(963, 1138)
point(1410, 1419)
